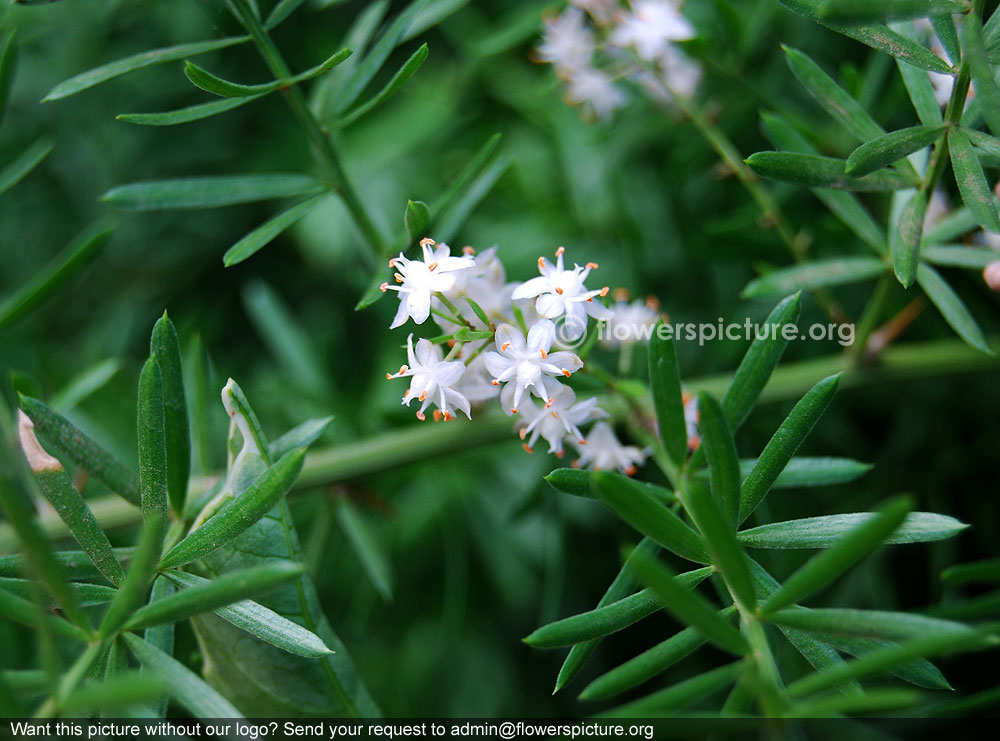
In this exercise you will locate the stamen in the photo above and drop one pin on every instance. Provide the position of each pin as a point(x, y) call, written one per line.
point(653, 302)
point(427, 241)
point(398, 277)
point(560, 251)
point(423, 395)
point(437, 415)
point(542, 351)
point(593, 265)
point(582, 441)
point(513, 411)
point(388, 376)
point(523, 433)
point(384, 287)
point(549, 402)
point(448, 416)
point(467, 250)
point(392, 262)
point(560, 454)
point(566, 373)
point(621, 294)
point(604, 291)
point(527, 448)
point(559, 290)
point(421, 416)
point(406, 393)
point(432, 266)
point(403, 369)
point(495, 382)
point(504, 346)
point(630, 471)
point(541, 263)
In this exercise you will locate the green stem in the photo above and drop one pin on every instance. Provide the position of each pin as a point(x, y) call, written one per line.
point(770, 688)
point(870, 316)
point(319, 138)
point(70, 680)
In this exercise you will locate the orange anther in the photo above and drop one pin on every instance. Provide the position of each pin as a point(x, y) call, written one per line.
point(448, 416)
point(392, 262)
point(513, 411)
point(559, 290)
point(426, 241)
point(437, 415)
point(560, 251)
point(398, 277)
point(604, 291)
point(523, 433)
point(593, 265)
point(388, 376)
point(421, 416)
point(495, 382)
point(566, 373)
point(544, 354)
point(467, 250)
point(630, 471)
point(504, 346)
point(527, 448)
point(560, 454)
point(549, 402)
point(423, 395)
point(384, 287)
point(432, 266)
point(541, 263)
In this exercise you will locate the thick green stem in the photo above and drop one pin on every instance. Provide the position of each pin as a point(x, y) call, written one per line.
point(323, 148)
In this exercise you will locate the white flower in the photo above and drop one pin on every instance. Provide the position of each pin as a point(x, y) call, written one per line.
point(562, 418)
point(432, 380)
point(562, 292)
point(485, 283)
point(603, 451)
point(650, 27)
point(595, 91)
point(421, 278)
point(691, 418)
point(523, 365)
point(680, 75)
point(476, 383)
point(568, 43)
point(630, 322)
point(601, 11)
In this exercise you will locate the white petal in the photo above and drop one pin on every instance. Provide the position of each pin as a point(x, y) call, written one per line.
point(531, 288)
point(550, 305)
point(446, 264)
point(565, 360)
point(597, 310)
point(541, 335)
point(507, 333)
point(419, 305)
point(441, 282)
point(447, 374)
point(575, 323)
point(403, 312)
point(458, 401)
point(496, 363)
point(427, 353)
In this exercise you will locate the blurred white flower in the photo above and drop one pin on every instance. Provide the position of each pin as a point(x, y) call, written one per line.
point(595, 91)
point(650, 28)
point(523, 365)
point(680, 75)
point(691, 418)
point(562, 292)
point(421, 278)
point(567, 42)
point(433, 379)
point(602, 11)
point(476, 384)
point(562, 418)
point(602, 450)
point(630, 322)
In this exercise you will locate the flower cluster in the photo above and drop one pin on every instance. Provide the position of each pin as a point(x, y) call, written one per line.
point(595, 43)
point(508, 341)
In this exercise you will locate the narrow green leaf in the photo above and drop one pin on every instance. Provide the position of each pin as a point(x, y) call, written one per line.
point(403, 74)
point(58, 488)
point(186, 115)
point(136, 62)
point(893, 656)
point(281, 10)
point(88, 381)
point(177, 434)
point(132, 592)
point(921, 91)
point(878, 37)
point(217, 86)
point(268, 231)
point(24, 163)
point(876, 624)
point(951, 226)
point(981, 572)
point(809, 472)
point(974, 54)
point(478, 311)
point(720, 450)
point(367, 547)
point(873, 702)
point(679, 695)
point(842, 555)
point(376, 56)
point(8, 63)
point(866, 10)
point(610, 618)
point(821, 656)
point(28, 613)
point(687, 606)
point(261, 622)
point(720, 537)
point(817, 171)
point(222, 590)
point(160, 636)
point(631, 503)
point(824, 531)
point(581, 652)
point(240, 513)
point(68, 263)
point(82, 450)
point(665, 385)
point(972, 185)
point(300, 436)
point(904, 239)
point(944, 28)
point(919, 671)
point(815, 274)
point(759, 361)
point(451, 221)
point(834, 99)
point(783, 444)
point(87, 594)
point(211, 191)
point(889, 148)
point(648, 664)
point(152, 446)
point(416, 219)
point(115, 693)
point(951, 307)
point(185, 686)
point(472, 169)
point(74, 565)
